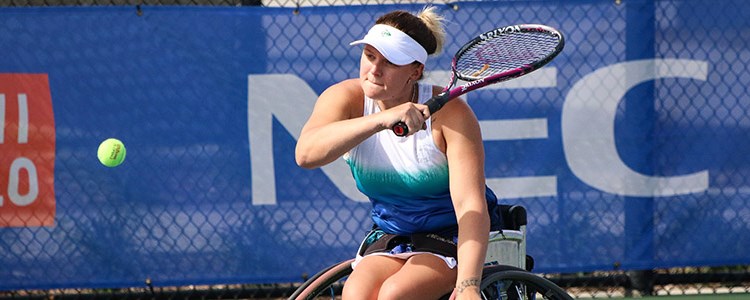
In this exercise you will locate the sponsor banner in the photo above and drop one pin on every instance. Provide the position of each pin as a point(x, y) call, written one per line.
point(629, 150)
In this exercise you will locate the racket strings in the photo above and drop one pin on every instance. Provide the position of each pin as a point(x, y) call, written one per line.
point(504, 53)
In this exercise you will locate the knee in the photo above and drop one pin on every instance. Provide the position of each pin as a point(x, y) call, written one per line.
point(355, 290)
point(348, 292)
point(391, 290)
point(396, 288)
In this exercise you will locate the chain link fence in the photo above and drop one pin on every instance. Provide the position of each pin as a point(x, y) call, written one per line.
point(612, 282)
point(267, 3)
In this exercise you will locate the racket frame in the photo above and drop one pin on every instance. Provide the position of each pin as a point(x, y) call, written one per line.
point(438, 101)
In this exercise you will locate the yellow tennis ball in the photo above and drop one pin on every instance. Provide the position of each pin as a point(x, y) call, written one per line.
point(111, 152)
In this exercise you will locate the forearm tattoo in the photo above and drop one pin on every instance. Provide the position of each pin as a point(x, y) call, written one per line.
point(466, 284)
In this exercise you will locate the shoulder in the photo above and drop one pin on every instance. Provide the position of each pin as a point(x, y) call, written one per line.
point(455, 109)
point(456, 119)
point(349, 88)
point(346, 95)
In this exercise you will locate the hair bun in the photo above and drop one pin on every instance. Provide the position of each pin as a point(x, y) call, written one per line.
point(434, 23)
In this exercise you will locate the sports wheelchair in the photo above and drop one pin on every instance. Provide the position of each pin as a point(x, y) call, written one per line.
point(506, 275)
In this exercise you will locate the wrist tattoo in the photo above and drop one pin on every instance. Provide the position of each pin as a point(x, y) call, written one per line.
point(466, 284)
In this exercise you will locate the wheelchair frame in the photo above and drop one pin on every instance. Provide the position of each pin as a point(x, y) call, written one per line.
point(506, 274)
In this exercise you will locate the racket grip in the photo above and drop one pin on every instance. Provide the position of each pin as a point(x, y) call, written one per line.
point(434, 104)
point(400, 129)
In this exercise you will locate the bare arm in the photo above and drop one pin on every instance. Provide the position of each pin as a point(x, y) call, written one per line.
point(465, 152)
point(333, 128)
point(337, 125)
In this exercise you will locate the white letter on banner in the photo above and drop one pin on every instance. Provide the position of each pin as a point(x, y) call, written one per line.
point(2, 119)
point(14, 181)
point(291, 101)
point(588, 121)
point(23, 119)
point(517, 129)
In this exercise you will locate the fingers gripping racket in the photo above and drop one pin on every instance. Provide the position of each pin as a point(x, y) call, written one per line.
point(495, 56)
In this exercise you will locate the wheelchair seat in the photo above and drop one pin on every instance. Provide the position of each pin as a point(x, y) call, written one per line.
point(506, 274)
point(507, 246)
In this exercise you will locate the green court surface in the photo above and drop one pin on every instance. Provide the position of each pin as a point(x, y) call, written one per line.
point(701, 297)
point(695, 297)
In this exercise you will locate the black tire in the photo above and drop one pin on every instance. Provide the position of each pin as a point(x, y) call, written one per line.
point(504, 282)
point(325, 280)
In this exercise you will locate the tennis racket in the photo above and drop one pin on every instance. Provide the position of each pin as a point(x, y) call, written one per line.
point(495, 56)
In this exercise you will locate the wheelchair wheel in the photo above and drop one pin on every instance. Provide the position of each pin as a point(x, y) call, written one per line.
point(326, 284)
point(498, 283)
point(504, 282)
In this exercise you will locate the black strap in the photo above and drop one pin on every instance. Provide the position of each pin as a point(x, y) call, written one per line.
point(432, 243)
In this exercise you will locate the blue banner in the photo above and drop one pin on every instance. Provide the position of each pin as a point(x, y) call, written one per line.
point(629, 150)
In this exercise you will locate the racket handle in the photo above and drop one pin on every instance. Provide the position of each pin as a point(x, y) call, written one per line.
point(434, 104)
point(400, 129)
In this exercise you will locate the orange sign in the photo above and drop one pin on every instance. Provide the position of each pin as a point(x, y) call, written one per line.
point(27, 151)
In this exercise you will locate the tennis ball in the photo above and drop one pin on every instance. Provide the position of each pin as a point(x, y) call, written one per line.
point(111, 152)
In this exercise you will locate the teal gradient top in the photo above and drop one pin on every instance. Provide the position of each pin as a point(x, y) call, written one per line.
point(405, 178)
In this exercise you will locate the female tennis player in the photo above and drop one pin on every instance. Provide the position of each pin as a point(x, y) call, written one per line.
point(430, 204)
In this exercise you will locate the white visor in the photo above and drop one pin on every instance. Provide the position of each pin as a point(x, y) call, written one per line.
point(398, 47)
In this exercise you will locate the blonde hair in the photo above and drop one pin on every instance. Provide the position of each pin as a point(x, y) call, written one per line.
point(434, 23)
